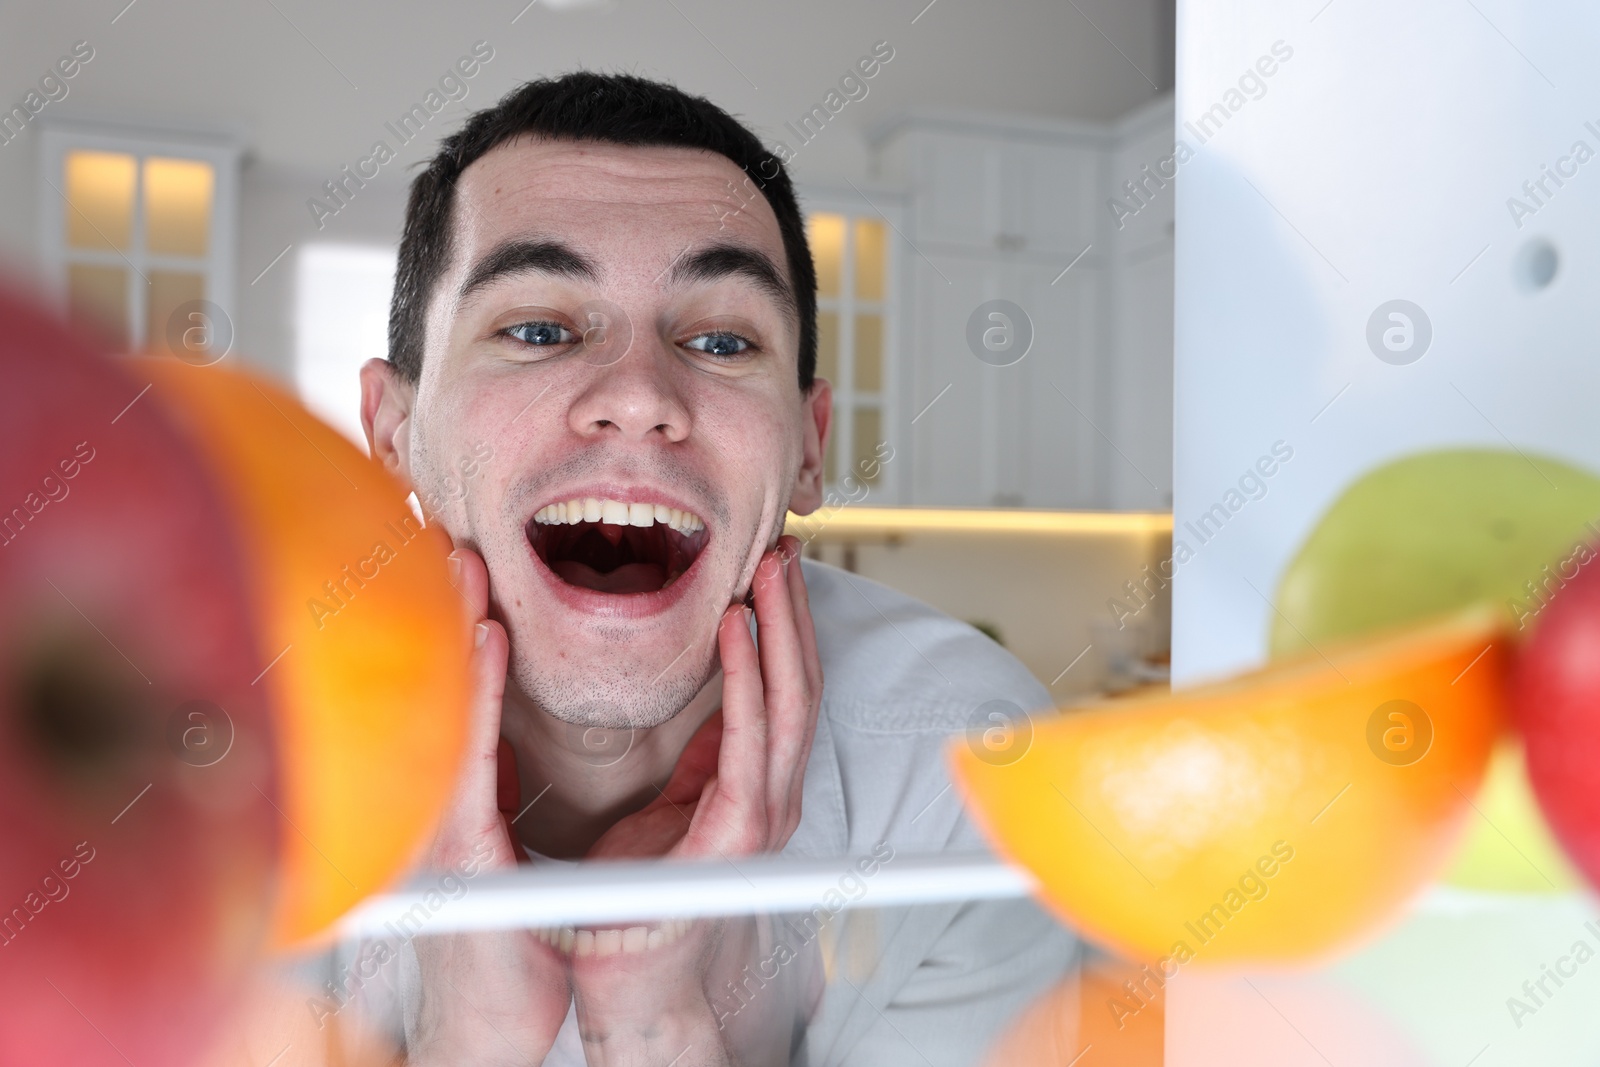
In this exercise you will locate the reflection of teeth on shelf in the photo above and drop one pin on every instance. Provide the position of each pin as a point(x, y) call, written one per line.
point(618, 513)
point(612, 941)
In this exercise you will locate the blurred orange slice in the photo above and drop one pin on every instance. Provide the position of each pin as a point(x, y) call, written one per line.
point(1276, 816)
point(364, 638)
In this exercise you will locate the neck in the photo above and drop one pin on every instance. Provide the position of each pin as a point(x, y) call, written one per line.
point(585, 779)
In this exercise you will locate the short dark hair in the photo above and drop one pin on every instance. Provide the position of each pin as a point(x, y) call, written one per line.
point(619, 109)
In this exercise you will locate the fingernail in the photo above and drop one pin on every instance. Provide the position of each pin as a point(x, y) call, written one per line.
point(480, 634)
point(454, 562)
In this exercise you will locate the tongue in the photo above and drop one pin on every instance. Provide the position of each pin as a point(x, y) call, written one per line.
point(628, 578)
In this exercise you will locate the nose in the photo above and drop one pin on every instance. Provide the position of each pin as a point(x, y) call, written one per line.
point(633, 393)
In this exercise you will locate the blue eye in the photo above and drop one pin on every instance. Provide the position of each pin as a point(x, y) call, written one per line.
point(541, 334)
point(719, 345)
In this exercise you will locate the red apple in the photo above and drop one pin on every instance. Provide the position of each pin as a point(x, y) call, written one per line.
point(136, 766)
point(1556, 703)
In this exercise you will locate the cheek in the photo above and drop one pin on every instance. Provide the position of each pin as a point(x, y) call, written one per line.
point(449, 472)
point(760, 448)
point(766, 454)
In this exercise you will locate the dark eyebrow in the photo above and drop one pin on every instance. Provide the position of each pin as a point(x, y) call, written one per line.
point(525, 256)
point(725, 261)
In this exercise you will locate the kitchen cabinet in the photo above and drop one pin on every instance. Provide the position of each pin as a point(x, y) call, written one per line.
point(987, 191)
point(1018, 210)
point(1003, 434)
point(1139, 371)
point(1139, 419)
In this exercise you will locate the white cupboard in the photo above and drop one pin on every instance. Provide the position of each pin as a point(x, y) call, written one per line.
point(1017, 210)
point(978, 188)
point(1139, 363)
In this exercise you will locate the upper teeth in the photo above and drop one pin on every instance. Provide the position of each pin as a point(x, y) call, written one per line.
point(617, 513)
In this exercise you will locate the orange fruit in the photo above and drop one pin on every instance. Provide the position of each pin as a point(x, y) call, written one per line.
point(365, 637)
point(1272, 817)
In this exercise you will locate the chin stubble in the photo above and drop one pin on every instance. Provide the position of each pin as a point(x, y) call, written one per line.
point(616, 696)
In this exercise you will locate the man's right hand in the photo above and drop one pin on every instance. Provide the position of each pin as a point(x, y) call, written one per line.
point(498, 997)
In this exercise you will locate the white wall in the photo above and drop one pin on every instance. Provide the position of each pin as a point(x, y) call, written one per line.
point(342, 295)
point(275, 217)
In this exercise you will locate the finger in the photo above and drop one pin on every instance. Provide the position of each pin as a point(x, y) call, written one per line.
point(786, 681)
point(508, 795)
point(479, 787)
point(801, 599)
point(734, 813)
point(475, 802)
point(487, 672)
point(470, 576)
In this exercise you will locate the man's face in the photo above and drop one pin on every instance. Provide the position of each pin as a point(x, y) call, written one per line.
point(609, 412)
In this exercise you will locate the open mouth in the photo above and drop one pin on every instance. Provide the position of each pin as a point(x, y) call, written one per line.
point(609, 546)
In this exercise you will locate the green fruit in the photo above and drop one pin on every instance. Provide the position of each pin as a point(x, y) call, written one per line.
point(1507, 847)
point(1431, 533)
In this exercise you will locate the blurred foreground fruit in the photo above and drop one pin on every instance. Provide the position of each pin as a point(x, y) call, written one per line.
point(1510, 848)
point(1431, 533)
point(1097, 1016)
point(136, 763)
point(1231, 1020)
point(1435, 532)
point(1273, 817)
point(275, 1026)
point(1557, 708)
point(368, 640)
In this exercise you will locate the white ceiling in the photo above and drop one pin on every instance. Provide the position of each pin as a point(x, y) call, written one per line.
point(308, 85)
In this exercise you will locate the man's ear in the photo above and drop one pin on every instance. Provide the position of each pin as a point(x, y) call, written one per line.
point(386, 401)
point(816, 419)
